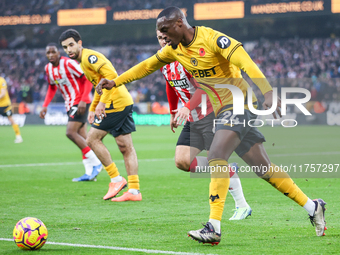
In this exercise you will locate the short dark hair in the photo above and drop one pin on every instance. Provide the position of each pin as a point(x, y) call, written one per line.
point(52, 44)
point(70, 33)
point(171, 12)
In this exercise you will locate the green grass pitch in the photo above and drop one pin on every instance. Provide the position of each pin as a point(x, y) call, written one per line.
point(173, 203)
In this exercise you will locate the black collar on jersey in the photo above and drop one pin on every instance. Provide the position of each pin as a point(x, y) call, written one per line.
point(195, 36)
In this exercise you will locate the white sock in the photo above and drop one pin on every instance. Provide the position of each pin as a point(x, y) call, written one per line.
point(202, 163)
point(216, 224)
point(235, 189)
point(310, 207)
point(88, 166)
point(134, 191)
point(91, 156)
point(117, 179)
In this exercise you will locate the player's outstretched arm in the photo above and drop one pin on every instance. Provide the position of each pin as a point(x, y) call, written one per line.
point(137, 72)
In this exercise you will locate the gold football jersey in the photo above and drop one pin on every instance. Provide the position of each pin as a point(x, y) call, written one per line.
point(95, 67)
point(4, 101)
point(212, 58)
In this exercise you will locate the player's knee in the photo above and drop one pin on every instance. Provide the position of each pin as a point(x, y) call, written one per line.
point(89, 142)
point(70, 135)
point(182, 164)
point(121, 146)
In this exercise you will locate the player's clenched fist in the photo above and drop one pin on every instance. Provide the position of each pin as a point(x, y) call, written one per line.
point(104, 84)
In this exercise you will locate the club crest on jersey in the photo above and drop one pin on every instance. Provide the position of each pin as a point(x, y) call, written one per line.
point(201, 52)
point(93, 59)
point(179, 71)
point(223, 42)
point(194, 61)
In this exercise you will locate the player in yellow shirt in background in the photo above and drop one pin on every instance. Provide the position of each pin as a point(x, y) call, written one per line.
point(213, 59)
point(114, 111)
point(6, 109)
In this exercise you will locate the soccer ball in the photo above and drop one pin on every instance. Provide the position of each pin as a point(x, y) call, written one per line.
point(30, 233)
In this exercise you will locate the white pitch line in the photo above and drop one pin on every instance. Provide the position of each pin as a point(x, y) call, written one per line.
point(78, 163)
point(167, 159)
point(118, 248)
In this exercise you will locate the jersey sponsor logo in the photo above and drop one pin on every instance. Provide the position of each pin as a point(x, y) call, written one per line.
point(60, 81)
point(223, 42)
point(180, 54)
point(201, 52)
point(203, 73)
point(194, 61)
point(183, 84)
point(93, 59)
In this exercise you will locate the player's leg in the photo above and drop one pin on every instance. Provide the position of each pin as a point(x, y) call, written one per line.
point(72, 134)
point(94, 140)
point(184, 154)
point(224, 143)
point(76, 132)
point(122, 133)
point(201, 136)
point(242, 209)
point(279, 179)
point(7, 111)
point(126, 147)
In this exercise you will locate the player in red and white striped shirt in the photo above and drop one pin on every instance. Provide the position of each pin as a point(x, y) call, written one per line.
point(197, 133)
point(66, 74)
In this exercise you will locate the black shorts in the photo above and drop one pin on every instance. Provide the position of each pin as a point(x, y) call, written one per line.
point(74, 116)
point(117, 123)
point(247, 134)
point(198, 134)
point(6, 111)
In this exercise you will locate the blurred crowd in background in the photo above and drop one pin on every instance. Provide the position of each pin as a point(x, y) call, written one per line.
point(313, 64)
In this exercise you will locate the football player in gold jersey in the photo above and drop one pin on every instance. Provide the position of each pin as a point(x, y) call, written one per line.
point(6, 109)
point(214, 58)
point(113, 115)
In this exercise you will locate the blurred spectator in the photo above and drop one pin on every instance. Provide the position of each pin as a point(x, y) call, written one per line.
point(23, 108)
